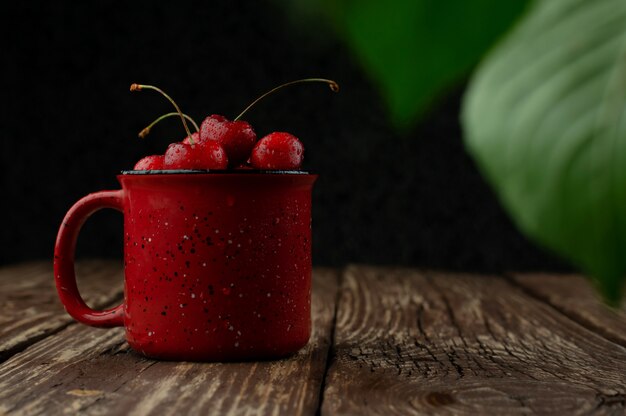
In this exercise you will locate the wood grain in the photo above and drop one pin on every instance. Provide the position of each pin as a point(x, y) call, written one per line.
point(416, 343)
point(92, 371)
point(574, 296)
point(30, 309)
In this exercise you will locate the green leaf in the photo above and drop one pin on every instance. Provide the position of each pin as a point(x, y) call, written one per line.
point(545, 118)
point(414, 49)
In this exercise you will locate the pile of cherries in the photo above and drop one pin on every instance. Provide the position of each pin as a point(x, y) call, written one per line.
point(224, 144)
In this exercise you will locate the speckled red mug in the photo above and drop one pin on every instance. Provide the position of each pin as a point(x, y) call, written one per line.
point(217, 265)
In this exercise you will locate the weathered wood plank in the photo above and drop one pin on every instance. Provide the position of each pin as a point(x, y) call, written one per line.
point(418, 343)
point(30, 308)
point(91, 371)
point(574, 296)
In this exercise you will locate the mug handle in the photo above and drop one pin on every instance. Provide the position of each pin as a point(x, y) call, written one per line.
point(64, 251)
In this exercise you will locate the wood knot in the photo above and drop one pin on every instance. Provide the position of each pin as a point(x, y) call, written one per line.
point(618, 399)
point(437, 398)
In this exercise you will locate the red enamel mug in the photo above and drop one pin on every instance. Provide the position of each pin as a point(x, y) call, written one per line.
point(217, 265)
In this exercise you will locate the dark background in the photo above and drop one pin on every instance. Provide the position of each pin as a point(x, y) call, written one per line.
point(69, 125)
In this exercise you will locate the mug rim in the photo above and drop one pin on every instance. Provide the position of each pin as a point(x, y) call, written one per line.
point(213, 172)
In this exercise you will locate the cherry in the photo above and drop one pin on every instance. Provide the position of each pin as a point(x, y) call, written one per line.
point(195, 137)
point(211, 156)
point(213, 127)
point(277, 150)
point(154, 162)
point(236, 137)
point(199, 156)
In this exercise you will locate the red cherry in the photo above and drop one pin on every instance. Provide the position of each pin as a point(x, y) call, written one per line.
point(178, 156)
point(277, 150)
point(214, 127)
point(239, 141)
point(154, 162)
point(200, 156)
point(236, 137)
point(195, 136)
point(212, 156)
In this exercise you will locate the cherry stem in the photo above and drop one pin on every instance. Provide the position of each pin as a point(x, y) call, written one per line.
point(143, 133)
point(332, 84)
point(139, 87)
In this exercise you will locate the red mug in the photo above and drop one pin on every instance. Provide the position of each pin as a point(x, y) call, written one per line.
point(217, 265)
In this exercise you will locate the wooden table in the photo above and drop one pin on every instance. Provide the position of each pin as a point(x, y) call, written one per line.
point(385, 341)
